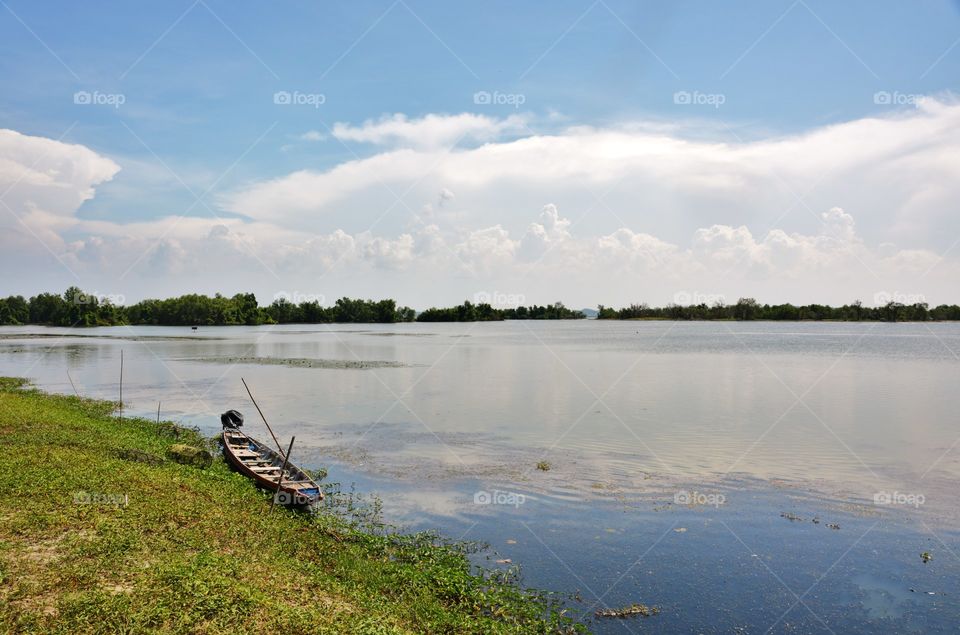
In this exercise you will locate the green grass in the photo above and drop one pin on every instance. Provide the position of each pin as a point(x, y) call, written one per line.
point(197, 551)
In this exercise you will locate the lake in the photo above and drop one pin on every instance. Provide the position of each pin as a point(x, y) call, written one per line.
point(742, 477)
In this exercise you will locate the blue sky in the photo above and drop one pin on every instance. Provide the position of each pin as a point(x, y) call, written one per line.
point(198, 81)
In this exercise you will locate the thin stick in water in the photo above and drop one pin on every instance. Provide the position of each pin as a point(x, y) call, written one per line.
point(121, 385)
point(71, 383)
point(158, 413)
point(279, 448)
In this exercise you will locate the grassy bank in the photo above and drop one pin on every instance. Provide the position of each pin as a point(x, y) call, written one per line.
point(100, 533)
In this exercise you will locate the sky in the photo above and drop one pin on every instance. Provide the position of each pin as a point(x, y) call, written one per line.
point(591, 152)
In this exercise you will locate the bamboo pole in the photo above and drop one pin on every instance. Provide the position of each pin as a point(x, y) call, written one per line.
point(121, 385)
point(158, 413)
point(279, 448)
point(71, 383)
point(286, 458)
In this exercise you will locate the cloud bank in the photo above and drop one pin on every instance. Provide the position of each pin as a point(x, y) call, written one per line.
point(446, 205)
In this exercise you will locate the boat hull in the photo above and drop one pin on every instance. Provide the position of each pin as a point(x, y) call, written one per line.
point(262, 465)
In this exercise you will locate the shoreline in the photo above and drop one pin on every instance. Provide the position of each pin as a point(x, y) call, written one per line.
point(98, 538)
point(84, 327)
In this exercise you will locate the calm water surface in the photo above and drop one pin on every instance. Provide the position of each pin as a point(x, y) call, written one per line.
point(695, 466)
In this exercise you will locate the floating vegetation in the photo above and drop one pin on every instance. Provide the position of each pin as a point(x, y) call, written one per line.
point(304, 362)
point(101, 336)
point(543, 466)
point(926, 556)
point(402, 334)
point(629, 611)
point(815, 520)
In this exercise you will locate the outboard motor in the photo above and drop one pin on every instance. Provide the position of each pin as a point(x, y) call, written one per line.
point(231, 419)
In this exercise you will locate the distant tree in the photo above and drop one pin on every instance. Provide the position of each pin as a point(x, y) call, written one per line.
point(892, 312)
point(945, 312)
point(14, 310)
point(746, 309)
point(406, 314)
point(283, 311)
point(918, 312)
point(385, 311)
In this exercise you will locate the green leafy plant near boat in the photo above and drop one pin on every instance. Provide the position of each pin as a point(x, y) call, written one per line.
point(101, 534)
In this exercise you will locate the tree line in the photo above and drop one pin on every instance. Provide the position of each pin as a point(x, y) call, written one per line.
point(483, 312)
point(77, 308)
point(750, 309)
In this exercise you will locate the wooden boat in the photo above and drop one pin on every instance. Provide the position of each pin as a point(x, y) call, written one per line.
point(261, 463)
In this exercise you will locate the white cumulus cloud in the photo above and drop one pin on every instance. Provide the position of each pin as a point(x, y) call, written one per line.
point(430, 131)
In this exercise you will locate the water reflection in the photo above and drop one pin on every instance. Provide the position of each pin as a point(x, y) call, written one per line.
point(616, 403)
point(627, 415)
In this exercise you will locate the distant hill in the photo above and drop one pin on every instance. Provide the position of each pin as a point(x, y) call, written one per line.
point(590, 313)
